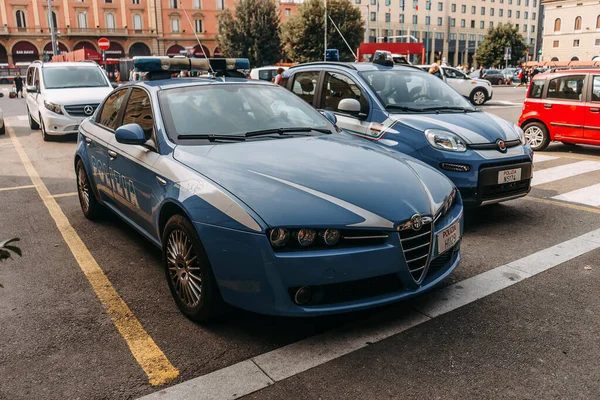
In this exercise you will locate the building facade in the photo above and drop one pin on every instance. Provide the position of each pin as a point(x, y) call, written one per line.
point(134, 27)
point(450, 29)
point(571, 30)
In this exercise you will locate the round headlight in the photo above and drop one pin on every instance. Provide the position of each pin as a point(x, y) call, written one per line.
point(306, 237)
point(279, 237)
point(331, 237)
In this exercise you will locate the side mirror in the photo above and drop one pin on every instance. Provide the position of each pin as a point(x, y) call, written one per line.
point(130, 134)
point(114, 85)
point(32, 89)
point(330, 116)
point(349, 106)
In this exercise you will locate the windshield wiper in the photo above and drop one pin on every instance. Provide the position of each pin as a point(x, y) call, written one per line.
point(285, 131)
point(450, 108)
point(213, 138)
point(403, 108)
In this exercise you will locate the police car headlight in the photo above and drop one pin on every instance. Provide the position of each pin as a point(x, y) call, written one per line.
point(55, 108)
point(521, 134)
point(445, 140)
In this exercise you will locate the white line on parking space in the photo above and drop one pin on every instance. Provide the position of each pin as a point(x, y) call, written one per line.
point(564, 171)
point(16, 188)
point(242, 378)
point(541, 158)
point(588, 195)
point(56, 196)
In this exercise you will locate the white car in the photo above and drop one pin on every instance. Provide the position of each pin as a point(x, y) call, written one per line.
point(265, 73)
point(478, 91)
point(60, 95)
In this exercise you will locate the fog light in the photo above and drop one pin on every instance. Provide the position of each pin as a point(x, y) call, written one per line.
point(278, 237)
point(455, 167)
point(331, 237)
point(303, 295)
point(306, 237)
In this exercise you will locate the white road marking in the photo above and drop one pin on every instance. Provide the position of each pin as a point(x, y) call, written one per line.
point(588, 195)
point(541, 158)
point(22, 117)
point(261, 371)
point(564, 171)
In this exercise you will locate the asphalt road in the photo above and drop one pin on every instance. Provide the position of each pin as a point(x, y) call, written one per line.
point(492, 331)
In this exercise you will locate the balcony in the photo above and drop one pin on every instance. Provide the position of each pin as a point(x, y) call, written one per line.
point(13, 30)
point(114, 32)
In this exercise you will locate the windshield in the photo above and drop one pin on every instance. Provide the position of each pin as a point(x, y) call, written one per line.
point(405, 90)
point(73, 77)
point(235, 110)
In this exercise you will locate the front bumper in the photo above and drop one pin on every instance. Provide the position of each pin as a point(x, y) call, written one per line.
point(251, 276)
point(60, 124)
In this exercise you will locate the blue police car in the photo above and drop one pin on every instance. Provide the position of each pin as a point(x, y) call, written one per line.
point(413, 112)
point(258, 201)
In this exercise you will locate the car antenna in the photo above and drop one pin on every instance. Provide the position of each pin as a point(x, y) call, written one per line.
point(338, 30)
point(197, 39)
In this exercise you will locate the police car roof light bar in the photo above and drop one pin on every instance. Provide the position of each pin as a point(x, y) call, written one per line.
point(163, 67)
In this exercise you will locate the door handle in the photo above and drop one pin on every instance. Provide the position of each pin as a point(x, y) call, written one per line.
point(547, 105)
point(88, 140)
point(161, 180)
point(594, 110)
point(112, 154)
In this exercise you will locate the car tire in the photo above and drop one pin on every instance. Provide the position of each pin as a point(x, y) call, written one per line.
point(536, 135)
point(500, 82)
point(478, 97)
point(189, 274)
point(32, 123)
point(45, 136)
point(90, 206)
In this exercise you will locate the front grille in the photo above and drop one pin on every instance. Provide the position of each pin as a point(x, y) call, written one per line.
point(506, 162)
point(441, 261)
point(350, 291)
point(504, 190)
point(416, 246)
point(77, 110)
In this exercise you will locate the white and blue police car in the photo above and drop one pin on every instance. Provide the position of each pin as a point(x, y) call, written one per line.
point(258, 201)
point(416, 113)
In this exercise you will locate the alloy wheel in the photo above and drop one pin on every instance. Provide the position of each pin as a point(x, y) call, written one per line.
point(83, 189)
point(479, 98)
point(534, 136)
point(184, 271)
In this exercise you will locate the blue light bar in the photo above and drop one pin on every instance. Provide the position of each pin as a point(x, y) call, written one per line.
point(176, 64)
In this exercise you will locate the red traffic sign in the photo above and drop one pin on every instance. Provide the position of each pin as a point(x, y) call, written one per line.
point(104, 43)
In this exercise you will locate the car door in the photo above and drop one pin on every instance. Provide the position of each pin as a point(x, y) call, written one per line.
point(134, 180)
point(564, 106)
point(98, 134)
point(304, 85)
point(32, 98)
point(338, 86)
point(591, 121)
point(458, 81)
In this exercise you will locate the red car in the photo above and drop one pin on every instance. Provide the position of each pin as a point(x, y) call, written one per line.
point(562, 106)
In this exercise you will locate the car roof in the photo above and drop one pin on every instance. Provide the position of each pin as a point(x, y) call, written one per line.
point(357, 66)
point(562, 72)
point(172, 83)
point(67, 64)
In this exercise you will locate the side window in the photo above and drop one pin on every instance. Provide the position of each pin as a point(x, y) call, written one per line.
point(338, 87)
point(566, 87)
point(305, 84)
point(111, 108)
point(596, 85)
point(537, 87)
point(450, 73)
point(29, 80)
point(36, 77)
point(139, 111)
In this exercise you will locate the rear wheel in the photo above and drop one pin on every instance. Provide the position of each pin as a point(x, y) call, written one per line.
point(536, 135)
point(478, 97)
point(500, 82)
point(32, 123)
point(190, 277)
point(45, 135)
point(87, 198)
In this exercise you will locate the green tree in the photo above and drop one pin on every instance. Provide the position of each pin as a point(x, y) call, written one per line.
point(6, 248)
point(491, 51)
point(303, 33)
point(252, 33)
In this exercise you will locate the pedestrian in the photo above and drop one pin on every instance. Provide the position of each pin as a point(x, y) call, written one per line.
point(18, 85)
point(435, 70)
point(521, 77)
point(279, 76)
point(117, 77)
point(131, 75)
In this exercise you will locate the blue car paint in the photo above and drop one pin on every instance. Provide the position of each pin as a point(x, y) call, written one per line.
point(249, 273)
point(406, 132)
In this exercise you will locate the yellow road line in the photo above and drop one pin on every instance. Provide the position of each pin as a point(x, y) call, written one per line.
point(562, 204)
point(56, 196)
point(16, 188)
point(148, 355)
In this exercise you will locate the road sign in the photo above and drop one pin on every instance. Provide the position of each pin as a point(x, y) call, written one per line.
point(507, 53)
point(104, 43)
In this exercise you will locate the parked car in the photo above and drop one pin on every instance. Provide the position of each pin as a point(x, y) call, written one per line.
point(495, 77)
point(412, 112)
point(265, 73)
point(61, 94)
point(478, 91)
point(510, 75)
point(562, 106)
point(259, 201)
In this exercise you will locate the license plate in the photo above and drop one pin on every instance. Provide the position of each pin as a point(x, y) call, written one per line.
point(509, 175)
point(448, 237)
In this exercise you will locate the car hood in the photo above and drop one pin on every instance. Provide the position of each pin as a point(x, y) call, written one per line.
point(473, 127)
point(327, 181)
point(90, 95)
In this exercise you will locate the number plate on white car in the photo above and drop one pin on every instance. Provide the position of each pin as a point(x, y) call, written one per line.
point(509, 175)
point(448, 237)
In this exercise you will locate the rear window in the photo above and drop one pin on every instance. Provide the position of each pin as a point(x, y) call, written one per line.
point(537, 87)
point(266, 74)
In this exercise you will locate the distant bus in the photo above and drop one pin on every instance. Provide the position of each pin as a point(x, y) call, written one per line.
point(8, 72)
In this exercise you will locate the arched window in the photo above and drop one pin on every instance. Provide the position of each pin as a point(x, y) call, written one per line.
point(554, 59)
point(175, 25)
point(137, 22)
point(578, 23)
point(598, 22)
point(198, 26)
point(21, 23)
point(110, 21)
point(557, 25)
point(575, 58)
